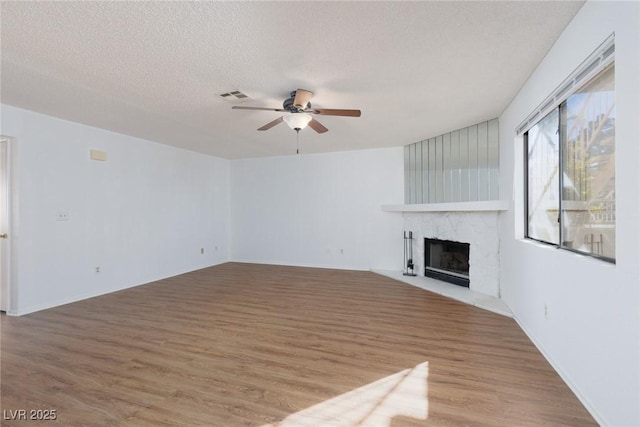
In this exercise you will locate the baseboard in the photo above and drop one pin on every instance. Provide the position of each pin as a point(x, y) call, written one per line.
point(288, 264)
point(68, 300)
point(84, 296)
point(565, 377)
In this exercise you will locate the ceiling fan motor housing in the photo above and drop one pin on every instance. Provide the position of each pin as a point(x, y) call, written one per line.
point(288, 104)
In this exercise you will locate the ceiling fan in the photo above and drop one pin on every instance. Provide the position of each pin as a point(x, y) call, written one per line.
point(300, 110)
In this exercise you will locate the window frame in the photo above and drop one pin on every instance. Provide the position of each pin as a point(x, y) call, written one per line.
point(597, 63)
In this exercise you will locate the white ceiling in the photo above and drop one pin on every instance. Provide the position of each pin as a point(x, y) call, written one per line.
point(154, 70)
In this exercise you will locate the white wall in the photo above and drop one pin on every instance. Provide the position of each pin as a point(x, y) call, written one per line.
point(591, 331)
point(140, 216)
point(321, 210)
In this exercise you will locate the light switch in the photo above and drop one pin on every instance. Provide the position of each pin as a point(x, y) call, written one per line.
point(98, 155)
point(62, 216)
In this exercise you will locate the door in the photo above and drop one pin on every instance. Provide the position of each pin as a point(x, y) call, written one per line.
point(4, 223)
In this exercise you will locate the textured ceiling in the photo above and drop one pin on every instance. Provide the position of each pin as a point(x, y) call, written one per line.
point(154, 70)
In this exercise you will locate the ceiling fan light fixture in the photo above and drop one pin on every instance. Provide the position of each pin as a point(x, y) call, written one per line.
point(297, 120)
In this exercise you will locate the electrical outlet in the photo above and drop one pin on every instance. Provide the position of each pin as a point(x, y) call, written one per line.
point(546, 312)
point(97, 269)
point(62, 216)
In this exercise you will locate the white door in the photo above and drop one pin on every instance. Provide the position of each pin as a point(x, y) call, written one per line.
point(4, 224)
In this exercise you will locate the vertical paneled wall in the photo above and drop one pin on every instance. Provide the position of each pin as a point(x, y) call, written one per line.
point(459, 166)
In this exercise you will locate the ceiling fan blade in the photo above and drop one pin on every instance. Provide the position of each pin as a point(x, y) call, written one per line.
point(317, 126)
point(238, 107)
point(302, 98)
point(271, 124)
point(336, 112)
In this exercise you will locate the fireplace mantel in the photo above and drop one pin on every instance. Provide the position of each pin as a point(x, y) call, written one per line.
point(482, 206)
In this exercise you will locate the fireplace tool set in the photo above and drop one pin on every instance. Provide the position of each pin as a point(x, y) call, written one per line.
point(408, 254)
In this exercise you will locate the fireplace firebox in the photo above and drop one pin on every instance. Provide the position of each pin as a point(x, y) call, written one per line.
point(447, 260)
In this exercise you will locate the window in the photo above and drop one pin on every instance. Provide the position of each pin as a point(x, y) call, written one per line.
point(570, 171)
point(543, 157)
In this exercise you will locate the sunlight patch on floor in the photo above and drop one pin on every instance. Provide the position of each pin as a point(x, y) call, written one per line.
point(375, 404)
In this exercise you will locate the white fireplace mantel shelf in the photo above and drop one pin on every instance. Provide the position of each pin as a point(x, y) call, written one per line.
point(483, 206)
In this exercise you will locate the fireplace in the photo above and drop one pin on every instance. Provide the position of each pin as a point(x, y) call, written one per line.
point(447, 260)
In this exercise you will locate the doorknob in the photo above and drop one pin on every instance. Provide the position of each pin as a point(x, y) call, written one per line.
point(3, 236)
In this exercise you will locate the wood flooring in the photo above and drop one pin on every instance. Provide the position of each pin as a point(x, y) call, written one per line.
point(259, 345)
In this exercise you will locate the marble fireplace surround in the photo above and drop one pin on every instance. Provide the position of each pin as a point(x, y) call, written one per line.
point(475, 223)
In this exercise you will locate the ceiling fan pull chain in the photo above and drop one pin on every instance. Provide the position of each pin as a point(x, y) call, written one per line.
point(297, 141)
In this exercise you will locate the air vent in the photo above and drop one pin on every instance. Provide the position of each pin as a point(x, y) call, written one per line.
point(234, 96)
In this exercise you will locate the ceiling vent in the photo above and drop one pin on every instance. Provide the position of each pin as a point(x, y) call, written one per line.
point(234, 96)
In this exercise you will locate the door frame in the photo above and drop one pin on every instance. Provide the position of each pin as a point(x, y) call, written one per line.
point(6, 303)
